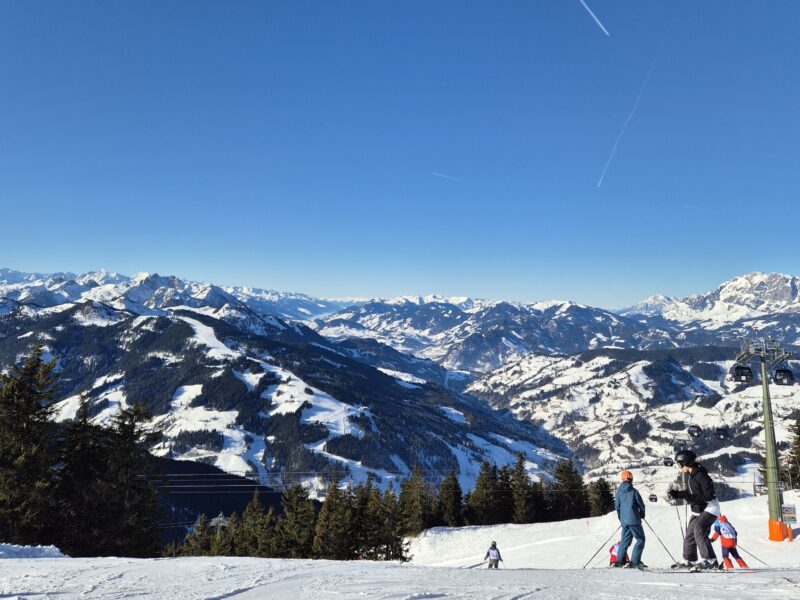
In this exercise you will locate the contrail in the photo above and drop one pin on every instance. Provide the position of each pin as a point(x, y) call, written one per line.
point(625, 125)
point(596, 20)
point(443, 176)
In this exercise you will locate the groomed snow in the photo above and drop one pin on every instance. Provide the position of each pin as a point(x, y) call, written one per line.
point(541, 561)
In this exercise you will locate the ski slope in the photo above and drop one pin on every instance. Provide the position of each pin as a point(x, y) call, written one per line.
point(542, 561)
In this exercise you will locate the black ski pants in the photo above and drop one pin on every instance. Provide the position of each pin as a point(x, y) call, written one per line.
point(697, 537)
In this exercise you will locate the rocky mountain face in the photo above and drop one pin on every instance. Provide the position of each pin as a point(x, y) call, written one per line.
point(256, 395)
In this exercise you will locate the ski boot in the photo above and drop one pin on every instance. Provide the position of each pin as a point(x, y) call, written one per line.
point(705, 565)
point(682, 565)
point(640, 565)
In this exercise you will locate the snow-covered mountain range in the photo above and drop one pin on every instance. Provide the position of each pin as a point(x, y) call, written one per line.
point(269, 382)
point(623, 408)
point(253, 393)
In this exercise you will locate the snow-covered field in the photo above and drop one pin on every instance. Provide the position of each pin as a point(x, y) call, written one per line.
point(542, 561)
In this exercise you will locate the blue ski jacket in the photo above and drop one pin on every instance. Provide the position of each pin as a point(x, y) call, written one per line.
point(629, 505)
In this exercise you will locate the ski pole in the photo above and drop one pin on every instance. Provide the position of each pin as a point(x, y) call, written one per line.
point(680, 523)
point(753, 555)
point(603, 545)
point(659, 540)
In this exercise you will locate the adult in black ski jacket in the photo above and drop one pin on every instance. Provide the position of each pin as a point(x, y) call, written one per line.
point(702, 499)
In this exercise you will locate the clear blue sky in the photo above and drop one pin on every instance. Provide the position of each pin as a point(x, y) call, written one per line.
point(379, 147)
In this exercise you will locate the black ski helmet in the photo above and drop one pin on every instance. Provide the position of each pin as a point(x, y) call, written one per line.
point(685, 458)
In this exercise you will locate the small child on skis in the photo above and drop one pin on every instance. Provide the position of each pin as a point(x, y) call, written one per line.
point(493, 554)
point(613, 551)
point(724, 530)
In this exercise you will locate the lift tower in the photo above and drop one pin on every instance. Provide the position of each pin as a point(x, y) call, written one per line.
point(768, 352)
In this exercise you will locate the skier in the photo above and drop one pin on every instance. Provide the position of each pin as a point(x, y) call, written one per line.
point(614, 552)
point(705, 510)
point(724, 530)
point(630, 510)
point(493, 554)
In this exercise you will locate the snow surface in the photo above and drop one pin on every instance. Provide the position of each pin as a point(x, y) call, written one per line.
point(540, 561)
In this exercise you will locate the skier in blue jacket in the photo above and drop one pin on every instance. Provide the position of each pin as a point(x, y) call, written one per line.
point(630, 510)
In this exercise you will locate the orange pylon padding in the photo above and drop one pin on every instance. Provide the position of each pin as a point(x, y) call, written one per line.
point(778, 531)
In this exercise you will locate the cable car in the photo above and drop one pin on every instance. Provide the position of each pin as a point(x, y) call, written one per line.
point(784, 376)
point(668, 462)
point(722, 433)
point(695, 431)
point(653, 498)
point(742, 373)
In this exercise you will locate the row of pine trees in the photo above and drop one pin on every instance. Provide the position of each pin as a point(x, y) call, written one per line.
point(365, 523)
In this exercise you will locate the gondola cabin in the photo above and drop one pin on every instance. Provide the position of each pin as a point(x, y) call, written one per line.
point(742, 374)
point(722, 433)
point(653, 498)
point(695, 431)
point(784, 377)
point(668, 462)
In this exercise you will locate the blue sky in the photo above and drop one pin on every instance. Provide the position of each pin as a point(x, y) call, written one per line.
point(382, 148)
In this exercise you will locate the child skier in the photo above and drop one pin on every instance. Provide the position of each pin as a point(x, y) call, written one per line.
point(614, 551)
point(493, 554)
point(724, 530)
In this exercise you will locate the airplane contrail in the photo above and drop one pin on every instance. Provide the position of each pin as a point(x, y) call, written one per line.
point(625, 124)
point(443, 176)
point(594, 16)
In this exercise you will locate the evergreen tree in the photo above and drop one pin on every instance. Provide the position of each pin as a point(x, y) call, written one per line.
point(131, 507)
point(450, 503)
point(267, 535)
point(601, 500)
point(224, 542)
point(247, 542)
point(295, 530)
point(792, 462)
point(392, 545)
point(569, 496)
point(198, 541)
point(26, 457)
point(416, 504)
point(521, 492)
point(481, 501)
point(82, 487)
point(333, 537)
point(503, 499)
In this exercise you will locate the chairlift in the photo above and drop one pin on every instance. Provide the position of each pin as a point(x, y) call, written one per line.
point(653, 498)
point(742, 373)
point(695, 431)
point(722, 433)
point(783, 376)
point(668, 462)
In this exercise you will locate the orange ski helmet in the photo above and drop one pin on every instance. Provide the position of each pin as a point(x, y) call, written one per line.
point(626, 476)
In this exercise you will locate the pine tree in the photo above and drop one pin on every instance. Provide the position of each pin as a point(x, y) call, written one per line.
point(26, 457)
point(267, 535)
point(333, 537)
point(224, 542)
point(601, 500)
point(198, 541)
point(252, 517)
point(416, 504)
point(481, 501)
point(521, 492)
point(295, 530)
point(131, 507)
point(503, 500)
point(569, 496)
point(392, 543)
point(450, 503)
point(792, 461)
point(82, 487)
